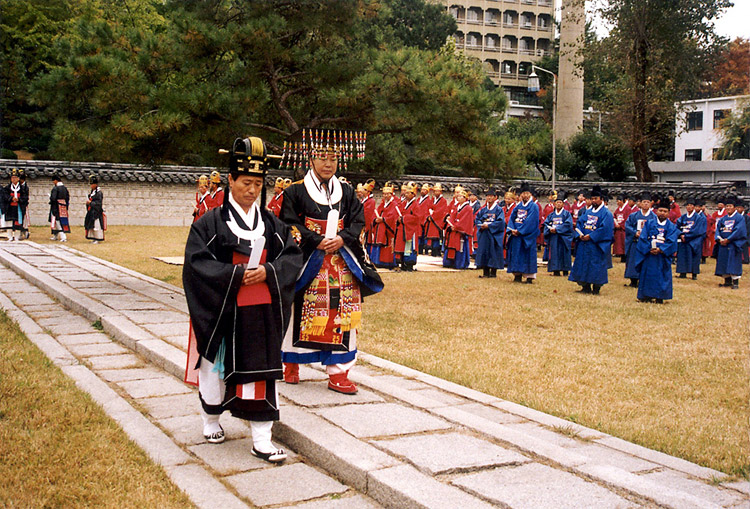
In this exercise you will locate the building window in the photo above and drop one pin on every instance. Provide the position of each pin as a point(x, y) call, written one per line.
point(719, 115)
point(693, 154)
point(695, 121)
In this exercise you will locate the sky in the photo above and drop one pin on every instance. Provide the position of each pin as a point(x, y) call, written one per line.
point(735, 22)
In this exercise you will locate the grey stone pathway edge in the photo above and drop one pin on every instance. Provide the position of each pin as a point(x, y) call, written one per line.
point(363, 465)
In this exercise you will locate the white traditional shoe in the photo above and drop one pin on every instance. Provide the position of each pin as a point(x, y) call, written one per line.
point(53, 237)
point(215, 438)
point(276, 456)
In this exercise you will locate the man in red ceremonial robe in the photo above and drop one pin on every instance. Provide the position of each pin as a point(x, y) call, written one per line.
point(386, 217)
point(202, 197)
point(277, 200)
point(459, 231)
point(216, 193)
point(436, 221)
point(708, 242)
point(408, 229)
point(368, 204)
point(674, 208)
point(578, 207)
point(621, 214)
point(423, 210)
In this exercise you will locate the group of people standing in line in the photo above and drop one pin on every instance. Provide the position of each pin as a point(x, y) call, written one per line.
point(578, 238)
point(14, 209)
point(269, 289)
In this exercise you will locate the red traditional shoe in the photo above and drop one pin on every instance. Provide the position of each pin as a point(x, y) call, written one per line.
point(291, 373)
point(341, 383)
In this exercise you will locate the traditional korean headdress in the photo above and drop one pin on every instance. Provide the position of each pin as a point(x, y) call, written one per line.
point(287, 183)
point(216, 177)
point(93, 179)
point(370, 185)
point(14, 172)
point(203, 180)
point(249, 157)
point(349, 145)
point(410, 187)
point(426, 186)
point(387, 188)
point(22, 174)
point(437, 187)
point(279, 183)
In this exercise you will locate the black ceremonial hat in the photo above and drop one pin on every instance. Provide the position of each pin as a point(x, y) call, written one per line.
point(690, 201)
point(93, 179)
point(525, 187)
point(491, 192)
point(596, 192)
point(248, 157)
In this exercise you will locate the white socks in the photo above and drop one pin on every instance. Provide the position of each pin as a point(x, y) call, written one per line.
point(210, 424)
point(262, 436)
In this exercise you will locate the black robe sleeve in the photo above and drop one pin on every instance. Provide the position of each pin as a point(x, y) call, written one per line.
point(211, 282)
point(293, 214)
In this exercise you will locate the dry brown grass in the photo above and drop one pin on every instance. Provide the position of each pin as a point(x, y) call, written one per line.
point(672, 377)
point(58, 448)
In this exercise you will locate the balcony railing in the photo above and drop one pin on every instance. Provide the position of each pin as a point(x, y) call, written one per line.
point(473, 46)
point(544, 3)
point(510, 50)
point(493, 74)
point(509, 24)
point(493, 23)
point(527, 26)
point(473, 21)
point(491, 48)
point(525, 51)
point(545, 28)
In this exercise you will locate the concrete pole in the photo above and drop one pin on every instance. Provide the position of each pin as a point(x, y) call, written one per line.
point(570, 91)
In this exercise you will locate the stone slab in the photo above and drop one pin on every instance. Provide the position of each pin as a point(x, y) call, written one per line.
point(188, 429)
point(232, 456)
point(145, 316)
point(548, 420)
point(403, 382)
point(97, 349)
point(31, 298)
point(114, 361)
point(179, 342)
point(52, 349)
point(306, 373)
point(714, 494)
point(122, 375)
point(490, 413)
point(741, 486)
point(83, 339)
point(405, 486)
point(604, 455)
point(312, 394)
point(162, 386)
point(139, 305)
point(284, 484)
point(169, 329)
point(442, 397)
point(443, 453)
point(537, 486)
point(548, 435)
point(43, 309)
point(157, 444)
point(172, 406)
point(330, 447)
point(203, 489)
point(167, 357)
point(381, 419)
point(339, 502)
point(73, 325)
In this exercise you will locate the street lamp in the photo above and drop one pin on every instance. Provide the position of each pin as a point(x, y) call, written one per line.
point(533, 86)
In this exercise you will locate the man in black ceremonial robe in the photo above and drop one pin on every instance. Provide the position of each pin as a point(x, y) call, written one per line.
point(240, 268)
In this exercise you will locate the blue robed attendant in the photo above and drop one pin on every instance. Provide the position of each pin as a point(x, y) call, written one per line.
point(731, 236)
point(523, 229)
point(692, 226)
point(633, 226)
point(653, 260)
point(594, 234)
point(558, 237)
point(490, 228)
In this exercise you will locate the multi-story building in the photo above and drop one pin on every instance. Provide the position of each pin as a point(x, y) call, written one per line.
point(697, 122)
point(507, 36)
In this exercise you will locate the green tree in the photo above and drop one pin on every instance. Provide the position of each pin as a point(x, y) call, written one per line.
point(604, 154)
point(194, 73)
point(28, 31)
point(735, 131)
point(662, 51)
point(418, 24)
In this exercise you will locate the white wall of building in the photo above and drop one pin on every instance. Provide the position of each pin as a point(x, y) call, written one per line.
point(708, 137)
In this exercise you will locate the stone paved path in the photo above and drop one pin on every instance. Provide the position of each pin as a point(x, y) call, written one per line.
point(406, 440)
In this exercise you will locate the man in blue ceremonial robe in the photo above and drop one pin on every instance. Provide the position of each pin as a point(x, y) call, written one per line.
point(633, 226)
point(523, 229)
point(594, 233)
point(731, 236)
point(653, 260)
point(558, 236)
point(490, 228)
point(692, 226)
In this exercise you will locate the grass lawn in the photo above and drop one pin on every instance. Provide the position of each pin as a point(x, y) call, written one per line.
point(58, 448)
point(671, 377)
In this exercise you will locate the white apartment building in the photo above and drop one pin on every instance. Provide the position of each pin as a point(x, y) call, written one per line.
point(697, 124)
